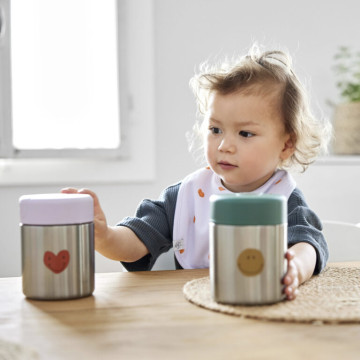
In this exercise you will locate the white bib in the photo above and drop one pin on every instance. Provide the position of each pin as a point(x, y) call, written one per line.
point(192, 212)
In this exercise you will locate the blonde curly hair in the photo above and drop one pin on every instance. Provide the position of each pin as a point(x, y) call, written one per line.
point(264, 73)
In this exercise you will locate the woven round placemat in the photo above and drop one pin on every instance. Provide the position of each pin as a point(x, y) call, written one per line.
point(15, 351)
point(331, 297)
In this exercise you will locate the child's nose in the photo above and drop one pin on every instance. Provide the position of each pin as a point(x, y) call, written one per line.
point(227, 144)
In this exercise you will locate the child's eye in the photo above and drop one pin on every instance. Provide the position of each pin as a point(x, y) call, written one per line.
point(246, 134)
point(215, 130)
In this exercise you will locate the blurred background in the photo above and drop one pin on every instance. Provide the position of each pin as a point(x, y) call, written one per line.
point(184, 34)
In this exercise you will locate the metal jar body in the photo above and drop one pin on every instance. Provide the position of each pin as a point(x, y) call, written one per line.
point(58, 261)
point(247, 263)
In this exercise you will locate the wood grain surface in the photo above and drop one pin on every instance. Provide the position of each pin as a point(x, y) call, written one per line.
point(144, 315)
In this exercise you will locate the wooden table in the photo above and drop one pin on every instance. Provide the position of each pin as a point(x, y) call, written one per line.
point(144, 315)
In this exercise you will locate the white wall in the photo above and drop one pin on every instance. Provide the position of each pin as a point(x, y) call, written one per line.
point(186, 33)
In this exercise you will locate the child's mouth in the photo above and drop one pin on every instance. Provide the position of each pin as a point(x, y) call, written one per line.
point(226, 166)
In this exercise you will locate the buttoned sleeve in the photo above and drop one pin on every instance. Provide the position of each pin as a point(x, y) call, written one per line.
point(153, 224)
point(305, 226)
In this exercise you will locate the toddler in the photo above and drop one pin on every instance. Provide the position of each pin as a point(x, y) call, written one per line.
point(255, 124)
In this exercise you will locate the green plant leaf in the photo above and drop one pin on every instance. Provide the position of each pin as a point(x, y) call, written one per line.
point(347, 71)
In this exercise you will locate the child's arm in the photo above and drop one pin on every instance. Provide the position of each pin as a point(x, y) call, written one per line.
point(117, 243)
point(120, 244)
point(301, 259)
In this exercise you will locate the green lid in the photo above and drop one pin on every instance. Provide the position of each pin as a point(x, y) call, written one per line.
point(248, 209)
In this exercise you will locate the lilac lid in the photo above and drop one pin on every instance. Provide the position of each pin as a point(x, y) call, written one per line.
point(56, 209)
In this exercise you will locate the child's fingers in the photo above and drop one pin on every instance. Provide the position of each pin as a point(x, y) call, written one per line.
point(93, 195)
point(97, 207)
point(99, 216)
point(291, 293)
point(289, 255)
point(69, 190)
point(291, 273)
point(291, 279)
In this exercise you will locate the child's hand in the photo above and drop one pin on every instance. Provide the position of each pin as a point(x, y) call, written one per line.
point(118, 243)
point(291, 278)
point(100, 224)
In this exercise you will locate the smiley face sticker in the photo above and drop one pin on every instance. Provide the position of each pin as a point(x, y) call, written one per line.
point(250, 262)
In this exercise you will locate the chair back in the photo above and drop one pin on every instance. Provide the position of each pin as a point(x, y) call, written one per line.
point(165, 261)
point(343, 240)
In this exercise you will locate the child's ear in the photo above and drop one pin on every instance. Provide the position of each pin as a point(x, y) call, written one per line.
point(289, 147)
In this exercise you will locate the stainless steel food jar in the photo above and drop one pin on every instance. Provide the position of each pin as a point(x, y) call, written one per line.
point(248, 241)
point(57, 244)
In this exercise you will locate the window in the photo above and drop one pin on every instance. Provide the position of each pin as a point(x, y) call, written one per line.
point(71, 93)
point(64, 76)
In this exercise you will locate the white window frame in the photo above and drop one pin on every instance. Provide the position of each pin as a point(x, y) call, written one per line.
point(136, 161)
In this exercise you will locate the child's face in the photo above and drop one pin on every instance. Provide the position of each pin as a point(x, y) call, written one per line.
point(246, 140)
